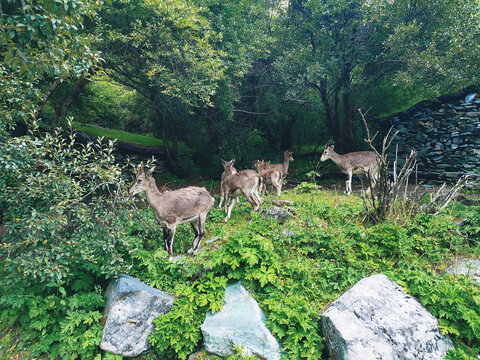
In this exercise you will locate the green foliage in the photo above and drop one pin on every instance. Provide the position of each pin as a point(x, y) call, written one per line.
point(455, 301)
point(307, 187)
point(66, 233)
point(108, 104)
point(40, 41)
point(186, 69)
point(187, 315)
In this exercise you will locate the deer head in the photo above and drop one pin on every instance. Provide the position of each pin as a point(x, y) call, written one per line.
point(142, 181)
point(327, 153)
point(227, 166)
point(288, 156)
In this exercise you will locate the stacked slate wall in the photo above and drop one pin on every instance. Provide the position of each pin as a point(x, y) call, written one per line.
point(446, 134)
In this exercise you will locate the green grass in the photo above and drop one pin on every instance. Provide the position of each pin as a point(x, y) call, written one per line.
point(117, 134)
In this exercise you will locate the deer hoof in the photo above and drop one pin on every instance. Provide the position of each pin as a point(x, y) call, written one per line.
point(226, 219)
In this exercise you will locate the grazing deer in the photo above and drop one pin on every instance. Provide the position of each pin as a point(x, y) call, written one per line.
point(234, 171)
point(359, 162)
point(246, 182)
point(271, 176)
point(187, 205)
point(283, 167)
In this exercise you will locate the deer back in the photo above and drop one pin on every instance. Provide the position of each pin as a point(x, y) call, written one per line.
point(361, 161)
point(240, 180)
point(181, 204)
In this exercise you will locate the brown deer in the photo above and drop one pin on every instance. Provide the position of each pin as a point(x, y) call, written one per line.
point(271, 176)
point(283, 167)
point(234, 171)
point(187, 205)
point(359, 162)
point(246, 182)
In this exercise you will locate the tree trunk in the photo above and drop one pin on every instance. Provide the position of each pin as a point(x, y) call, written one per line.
point(348, 139)
point(63, 109)
point(161, 120)
point(286, 141)
point(212, 129)
point(331, 121)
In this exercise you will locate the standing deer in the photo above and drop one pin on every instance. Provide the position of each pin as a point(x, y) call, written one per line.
point(359, 162)
point(246, 182)
point(271, 176)
point(187, 205)
point(234, 171)
point(283, 167)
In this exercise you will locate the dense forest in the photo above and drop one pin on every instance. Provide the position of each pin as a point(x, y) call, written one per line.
point(204, 81)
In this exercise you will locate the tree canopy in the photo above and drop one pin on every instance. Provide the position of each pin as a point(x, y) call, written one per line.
point(229, 75)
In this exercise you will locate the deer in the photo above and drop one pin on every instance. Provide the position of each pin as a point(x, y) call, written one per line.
point(246, 182)
point(271, 176)
point(283, 167)
point(234, 171)
point(359, 162)
point(174, 207)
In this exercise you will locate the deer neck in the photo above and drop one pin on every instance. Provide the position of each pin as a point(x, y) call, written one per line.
point(336, 158)
point(152, 192)
point(286, 162)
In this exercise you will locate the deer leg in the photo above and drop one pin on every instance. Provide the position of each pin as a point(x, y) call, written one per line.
point(171, 235)
point(349, 183)
point(222, 194)
point(166, 232)
point(196, 229)
point(230, 207)
point(252, 199)
point(279, 188)
point(201, 231)
point(226, 196)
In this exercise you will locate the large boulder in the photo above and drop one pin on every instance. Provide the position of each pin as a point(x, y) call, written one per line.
point(129, 312)
point(376, 319)
point(241, 323)
point(465, 266)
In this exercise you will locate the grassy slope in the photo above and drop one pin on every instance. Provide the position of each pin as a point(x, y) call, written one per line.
point(118, 134)
point(298, 268)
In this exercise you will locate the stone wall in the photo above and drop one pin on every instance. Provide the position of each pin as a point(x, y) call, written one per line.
point(446, 134)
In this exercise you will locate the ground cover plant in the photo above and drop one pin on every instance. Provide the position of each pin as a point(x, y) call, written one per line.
point(70, 229)
point(301, 266)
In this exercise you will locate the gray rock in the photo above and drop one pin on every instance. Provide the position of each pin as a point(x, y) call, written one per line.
point(240, 323)
point(277, 213)
point(376, 319)
point(129, 312)
point(470, 267)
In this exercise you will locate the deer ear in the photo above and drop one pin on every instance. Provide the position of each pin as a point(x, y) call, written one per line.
point(232, 162)
point(223, 162)
point(150, 172)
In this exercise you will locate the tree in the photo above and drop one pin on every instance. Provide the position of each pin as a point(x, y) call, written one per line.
point(163, 49)
point(41, 45)
point(335, 52)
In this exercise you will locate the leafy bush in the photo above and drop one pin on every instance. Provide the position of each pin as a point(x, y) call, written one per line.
point(66, 233)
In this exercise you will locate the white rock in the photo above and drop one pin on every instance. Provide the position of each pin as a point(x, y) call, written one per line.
point(376, 319)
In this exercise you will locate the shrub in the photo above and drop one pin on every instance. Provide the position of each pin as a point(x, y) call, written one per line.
point(66, 233)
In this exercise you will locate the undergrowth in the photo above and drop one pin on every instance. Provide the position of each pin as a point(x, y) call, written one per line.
point(60, 252)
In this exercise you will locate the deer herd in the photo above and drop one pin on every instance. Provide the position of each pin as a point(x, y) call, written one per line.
point(192, 204)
